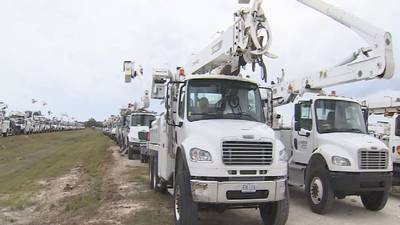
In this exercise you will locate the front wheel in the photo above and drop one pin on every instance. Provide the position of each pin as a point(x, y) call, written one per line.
point(130, 154)
point(275, 213)
point(319, 192)
point(375, 201)
point(185, 209)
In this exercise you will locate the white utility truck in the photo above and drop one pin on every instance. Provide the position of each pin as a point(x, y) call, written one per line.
point(123, 130)
point(390, 134)
point(211, 148)
point(139, 125)
point(5, 124)
point(331, 153)
point(17, 122)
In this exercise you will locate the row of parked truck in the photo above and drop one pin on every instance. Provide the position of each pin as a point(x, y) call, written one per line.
point(30, 122)
point(130, 129)
point(218, 144)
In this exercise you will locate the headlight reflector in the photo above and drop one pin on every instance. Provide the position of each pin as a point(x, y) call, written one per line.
point(199, 155)
point(340, 161)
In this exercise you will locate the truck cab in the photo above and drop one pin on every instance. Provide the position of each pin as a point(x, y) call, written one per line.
point(332, 155)
point(140, 122)
point(212, 148)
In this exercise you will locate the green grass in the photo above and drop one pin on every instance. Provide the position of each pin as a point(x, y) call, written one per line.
point(26, 160)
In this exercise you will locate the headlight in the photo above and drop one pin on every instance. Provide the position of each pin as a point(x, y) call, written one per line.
point(199, 155)
point(340, 161)
point(283, 155)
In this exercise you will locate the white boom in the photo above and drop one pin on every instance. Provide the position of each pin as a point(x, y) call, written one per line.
point(371, 62)
point(379, 106)
point(246, 41)
point(132, 72)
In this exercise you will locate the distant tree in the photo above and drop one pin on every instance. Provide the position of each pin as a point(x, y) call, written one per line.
point(93, 123)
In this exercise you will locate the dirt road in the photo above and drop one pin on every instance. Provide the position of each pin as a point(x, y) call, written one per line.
point(345, 212)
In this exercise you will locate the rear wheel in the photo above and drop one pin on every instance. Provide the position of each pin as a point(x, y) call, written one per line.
point(151, 171)
point(375, 201)
point(185, 209)
point(319, 192)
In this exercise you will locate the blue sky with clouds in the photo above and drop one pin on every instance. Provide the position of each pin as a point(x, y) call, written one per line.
point(70, 53)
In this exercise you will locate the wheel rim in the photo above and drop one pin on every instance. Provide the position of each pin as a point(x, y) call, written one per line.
point(177, 203)
point(316, 190)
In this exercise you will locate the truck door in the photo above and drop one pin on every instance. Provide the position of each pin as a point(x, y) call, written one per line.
point(181, 114)
point(302, 136)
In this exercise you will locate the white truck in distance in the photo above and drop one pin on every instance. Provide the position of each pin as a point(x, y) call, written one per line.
point(140, 122)
point(332, 154)
point(390, 132)
point(5, 124)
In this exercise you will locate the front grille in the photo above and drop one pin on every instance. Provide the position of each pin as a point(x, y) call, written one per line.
point(238, 195)
point(142, 135)
point(373, 160)
point(246, 153)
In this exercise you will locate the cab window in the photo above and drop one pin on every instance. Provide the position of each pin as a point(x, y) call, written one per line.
point(305, 116)
point(181, 109)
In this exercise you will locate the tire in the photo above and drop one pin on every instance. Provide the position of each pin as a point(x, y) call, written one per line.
point(130, 154)
point(320, 194)
point(141, 158)
point(185, 209)
point(375, 201)
point(275, 213)
point(151, 172)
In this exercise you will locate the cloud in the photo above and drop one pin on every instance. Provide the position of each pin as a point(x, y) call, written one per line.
point(70, 53)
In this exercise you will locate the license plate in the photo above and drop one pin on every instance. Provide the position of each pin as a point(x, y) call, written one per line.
point(248, 188)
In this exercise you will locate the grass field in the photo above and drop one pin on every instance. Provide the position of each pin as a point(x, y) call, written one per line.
point(27, 160)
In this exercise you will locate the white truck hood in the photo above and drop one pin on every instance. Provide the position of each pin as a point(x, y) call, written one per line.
point(133, 134)
point(351, 140)
point(230, 129)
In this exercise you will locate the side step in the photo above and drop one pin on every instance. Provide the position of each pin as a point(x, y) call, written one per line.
point(296, 174)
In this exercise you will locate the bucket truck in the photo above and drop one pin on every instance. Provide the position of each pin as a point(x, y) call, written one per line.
point(390, 134)
point(140, 117)
point(331, 153)
point(139, 125)
point(122, 129)
point(211, 148)
point(17, 122)
point(5, 123)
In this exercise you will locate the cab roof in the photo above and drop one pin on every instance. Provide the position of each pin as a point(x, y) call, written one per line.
point(221, 77)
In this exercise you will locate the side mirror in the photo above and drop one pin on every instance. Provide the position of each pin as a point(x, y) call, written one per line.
point(397, 127)
point(297, 112)
point(297, 126)
point(180, 124)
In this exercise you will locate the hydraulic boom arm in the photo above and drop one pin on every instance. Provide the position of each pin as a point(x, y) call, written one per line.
point(246, 41)
point(371, 62)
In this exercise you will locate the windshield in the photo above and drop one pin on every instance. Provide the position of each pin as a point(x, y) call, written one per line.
point(224, 99)
point(142, 120)
point(339, 116)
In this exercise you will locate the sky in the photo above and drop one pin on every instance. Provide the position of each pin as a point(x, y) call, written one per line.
point(70, 53)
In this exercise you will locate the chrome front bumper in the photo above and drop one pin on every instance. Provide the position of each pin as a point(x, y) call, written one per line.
point(231, 191)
